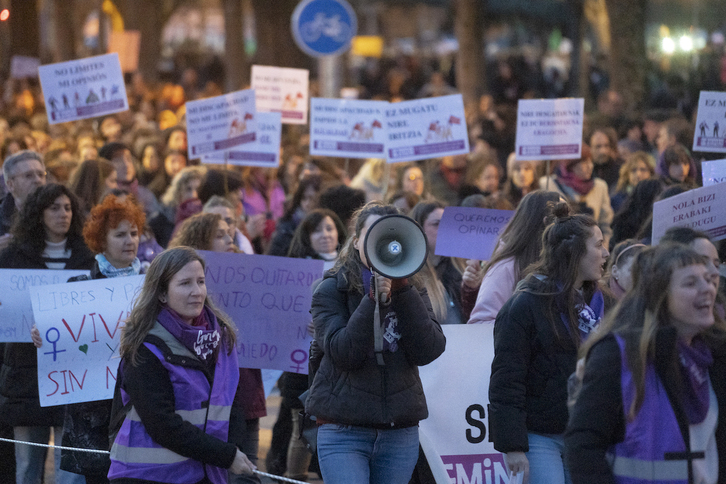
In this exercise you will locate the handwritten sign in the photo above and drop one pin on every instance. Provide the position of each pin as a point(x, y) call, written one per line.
point(83, 88)
point(269, 299)
point(348, 128)
point(80, 323)
point(470, 233)
point(219, 123)
point(264, 151)
point(710, 133)
point(713, 172)
point(16, 312)
point(549, 129)
point(283, 90)
point(454, 437)
point(426, 128)
point(701, 209)
point(22, 66)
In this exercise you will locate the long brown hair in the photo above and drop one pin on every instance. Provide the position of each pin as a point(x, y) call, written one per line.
point(197, 231)
point(148, 305)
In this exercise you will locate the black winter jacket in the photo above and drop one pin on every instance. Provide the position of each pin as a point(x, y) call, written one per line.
point(350, 387)
point(532, 362)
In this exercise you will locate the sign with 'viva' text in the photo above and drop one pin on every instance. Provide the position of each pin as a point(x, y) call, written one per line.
point(83, 88)
point(701, 209)
point(549, 129)
point(80, 324)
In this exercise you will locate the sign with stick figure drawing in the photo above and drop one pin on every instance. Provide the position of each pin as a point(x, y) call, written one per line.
point(710, 135)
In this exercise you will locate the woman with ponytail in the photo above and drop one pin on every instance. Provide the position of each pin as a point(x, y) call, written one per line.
point(536, 337)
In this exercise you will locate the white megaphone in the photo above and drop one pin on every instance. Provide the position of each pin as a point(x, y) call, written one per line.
point(395, 246)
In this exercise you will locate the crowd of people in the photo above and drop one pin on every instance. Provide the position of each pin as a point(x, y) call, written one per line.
point(572, 277)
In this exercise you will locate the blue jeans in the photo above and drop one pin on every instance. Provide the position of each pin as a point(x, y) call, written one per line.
point(547, 460)
point(30, 459)
point(360, 455)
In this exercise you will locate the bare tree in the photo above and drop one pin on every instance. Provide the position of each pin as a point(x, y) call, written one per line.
point(236, 68)
point(468, 26)
point(627, 53)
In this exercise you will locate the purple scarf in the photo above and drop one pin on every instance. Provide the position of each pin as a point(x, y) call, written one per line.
point(695, 360)
point(202, 338)
point(566, 177)
point(588, 315)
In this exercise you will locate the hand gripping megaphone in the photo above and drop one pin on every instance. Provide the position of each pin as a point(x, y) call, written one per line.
point(395, 246)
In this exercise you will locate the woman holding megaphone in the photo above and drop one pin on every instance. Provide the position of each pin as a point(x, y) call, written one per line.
point(368, 403)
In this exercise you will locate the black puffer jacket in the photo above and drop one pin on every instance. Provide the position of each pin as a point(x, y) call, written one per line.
point(350, 387)
point(528, 385)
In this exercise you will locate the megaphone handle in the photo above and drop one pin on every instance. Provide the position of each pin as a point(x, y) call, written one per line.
point(377, 327)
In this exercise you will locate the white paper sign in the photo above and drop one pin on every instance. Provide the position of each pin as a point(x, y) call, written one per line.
point(283, 90)
point(713, 172)
point(80, 323)
point(702, 209)
point(22, 66)
point(456, 429)
point(426, 128)
point(16, 312)
point(264, 151)
point(549, 129)
point(83, 88)
point(710, 135)
point(219, 123)
point(348, 128)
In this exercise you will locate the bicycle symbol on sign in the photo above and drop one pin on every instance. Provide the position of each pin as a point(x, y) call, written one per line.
point(330, 27)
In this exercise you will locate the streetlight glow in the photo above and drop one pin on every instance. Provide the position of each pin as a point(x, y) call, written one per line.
point(4, 15)
point(668, 45)
point(686, 43)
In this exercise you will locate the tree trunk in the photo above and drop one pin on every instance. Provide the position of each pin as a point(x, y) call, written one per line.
point(236, 69)
point(275, 45)
point(470, 57)
point(575, 30)
point(24, 28)
point(627, 54)
point(65, 32)
point(148, 18)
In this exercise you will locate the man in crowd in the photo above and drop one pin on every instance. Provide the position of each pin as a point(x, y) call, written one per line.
point(604, 146)
point(23, 172)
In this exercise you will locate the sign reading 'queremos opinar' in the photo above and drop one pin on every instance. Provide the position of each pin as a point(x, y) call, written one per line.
point(549, 129)
point(426, 128)
point(701, 209)
point(219, 123)
point(470, 232)
point(710, 135)
point(83, 88)
point(264, 151)
point(348, 128)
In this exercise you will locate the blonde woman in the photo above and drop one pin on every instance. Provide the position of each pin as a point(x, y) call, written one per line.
point(179, 202)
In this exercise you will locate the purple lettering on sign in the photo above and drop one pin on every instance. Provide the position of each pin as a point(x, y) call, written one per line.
point(470, 233)
point(480, 468)
point(429, 149)
point(251, 156)
point(237, 140)
point(549, 150)
point(361, 147)
point(100, 107)
point(717, 232)
point(288, 114)
point(711, 142)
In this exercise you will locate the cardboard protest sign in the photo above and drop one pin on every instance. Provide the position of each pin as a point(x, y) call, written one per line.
point(710, 133)
point(470, 233)
point(713, 172)
point(126, 44)
point(455, 434)
point(269, 300)
point(16, 312)
point(701, 209)
point(348, 128)
point(283, 90)
point(219, 123)
point(264, 151)
point(549, 129)
point(426, 128)
point(22, 66)
point(83, 88)
point(80, 323)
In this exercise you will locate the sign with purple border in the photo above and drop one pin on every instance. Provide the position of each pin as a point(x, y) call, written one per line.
point(701, 209)
point(426, 128)
point(269, 300)
point(710, 135)
point(347, 128)
point(219, 123)
point(283, 90)
point(264, 151)
point(470, 233)
point(549, 129)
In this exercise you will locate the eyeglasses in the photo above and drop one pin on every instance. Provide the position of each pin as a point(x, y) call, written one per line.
point(31, 175)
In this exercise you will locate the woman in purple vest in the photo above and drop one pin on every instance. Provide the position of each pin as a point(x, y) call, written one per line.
point(536, 337)
point(652, 408)
point(177, 379)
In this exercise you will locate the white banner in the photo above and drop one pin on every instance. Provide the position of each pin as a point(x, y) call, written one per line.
point(713, 172)
point(283, 90)
point(549, 129)
point(264, 151)
point(702, 209)
point(348, 128)
point(710, 135)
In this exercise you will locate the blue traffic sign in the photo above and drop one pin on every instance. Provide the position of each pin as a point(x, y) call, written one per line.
point(323, 27)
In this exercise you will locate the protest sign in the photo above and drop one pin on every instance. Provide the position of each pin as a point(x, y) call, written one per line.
point(16, 312)
point(347, 128)
point(80, 323)
point(470, 233)
point(126, 44)
point(219, 123)
point(264, 151)
point(83, 88)
point(269, 300)
point(282, 90)
point(456, 430)
point(713, 172)
point(710, 133)
point(549, 129)
point(22, 66)
point(426, 128)
point(701, 209)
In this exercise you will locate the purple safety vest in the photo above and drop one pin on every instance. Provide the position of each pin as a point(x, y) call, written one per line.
point(651, 437)
point(134, 455)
